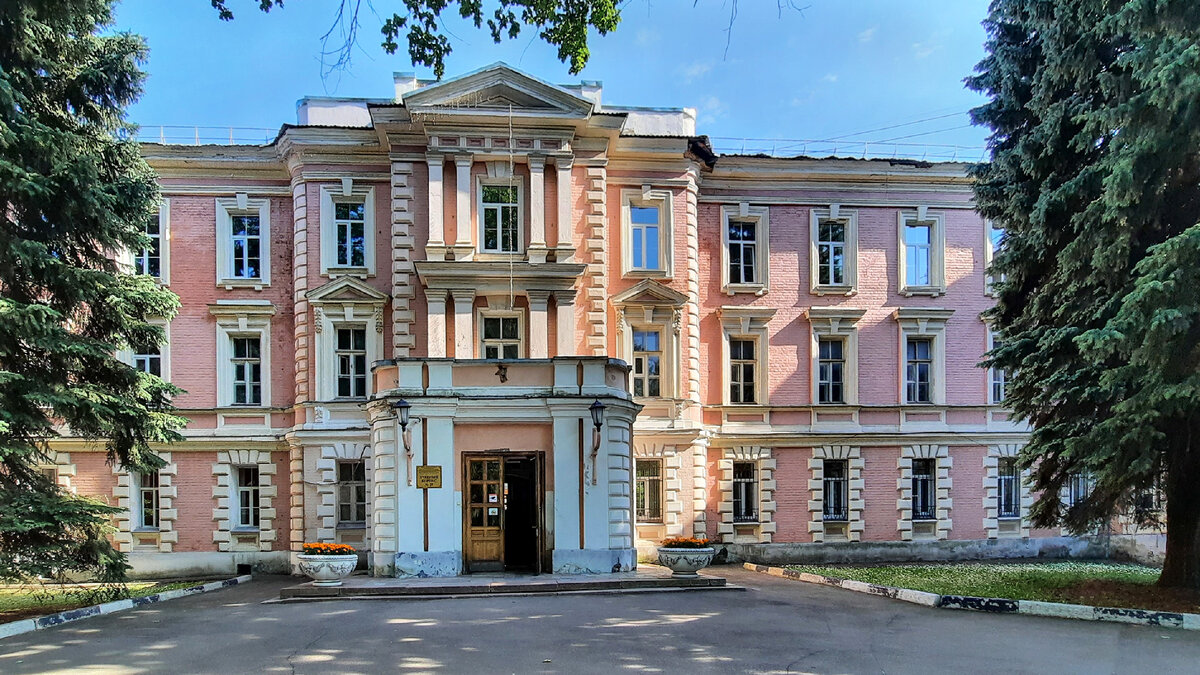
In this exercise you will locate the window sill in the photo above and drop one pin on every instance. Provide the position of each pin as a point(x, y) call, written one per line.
point(361, 272)
point(230, 284)
point(498, 256)
point(932, 291)
point(245, 529)
point(733, 289)
point(646, 274)
point(834, 290)
point(145, 530)
point(350, 526)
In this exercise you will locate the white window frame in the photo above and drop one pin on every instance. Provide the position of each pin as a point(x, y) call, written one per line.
point(242, 318)
point(239, 206)
point(347, 192)
point(993, 372)
point(164, 244)
point(1015, 487)
point(761, 215)
point(353, 485)
point(518, 184)
point(923, 323)
point(649, 305)
point(648, 197)
point(849, 218)
point(937, 253)
point(989, 254)
point(835, 323)
point(933, 463)
point(346, 302)
point(338, 352)
point(738, 493)
point(843, 490)
point(662, 360)
point(164, 351)
point(253, 492)
point(659, 480)
point(488, 313)
point(139, 519)
point(746, 323)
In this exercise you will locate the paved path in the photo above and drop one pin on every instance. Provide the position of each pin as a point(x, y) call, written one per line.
point(776, 626)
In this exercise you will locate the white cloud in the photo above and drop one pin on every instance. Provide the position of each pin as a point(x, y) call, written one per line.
point(868, 34)
point(646, 37)
point(695, 71)
point(923, 50)
point(830, 77)
point(711, 109)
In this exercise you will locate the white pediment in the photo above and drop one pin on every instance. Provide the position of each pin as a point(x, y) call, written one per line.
point(497, 89)
point(346, 290)
point(648, 292)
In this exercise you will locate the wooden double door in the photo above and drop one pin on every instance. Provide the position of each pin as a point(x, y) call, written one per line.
point(502, 514)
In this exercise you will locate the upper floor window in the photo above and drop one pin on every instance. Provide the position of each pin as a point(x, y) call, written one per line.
point(997, 377)
point(922, 354)
point(834, 250)
point(745, 256)
point(243, 242)
point(992, 245)
point(247, 497)
point(648, 490)
point(350, 223)
point(501, 337)
point(742, 367)
point(745, 353)
point(924, 489)
point(247, 371)
point(149, 259)
point(647, 360)
point(918, 369)
point(1008, 477)
point(644, 238)
point(499, 219)
point(646, 249)
point(347, 228)
point(352, 362)
point(148, 501)
point(745, 492)
point(831, 369)
point(149, 361)
point(922, 246)
point(836, 490)
point(352, 493)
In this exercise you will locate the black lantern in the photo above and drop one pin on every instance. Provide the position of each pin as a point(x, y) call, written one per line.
point(597, 409)
point(402, 409)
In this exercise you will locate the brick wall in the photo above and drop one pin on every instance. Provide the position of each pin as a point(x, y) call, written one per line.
point(879, 493)
point(791, 494)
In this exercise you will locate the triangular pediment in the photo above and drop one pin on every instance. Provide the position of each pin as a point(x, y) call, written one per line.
point(346, 290)
point(649, 292)
point(497, 89)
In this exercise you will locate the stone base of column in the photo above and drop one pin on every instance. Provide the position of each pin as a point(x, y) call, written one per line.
point(537, 253)
point(594, 561)
point(462, 251)
point(428, 564)
point(563, 254)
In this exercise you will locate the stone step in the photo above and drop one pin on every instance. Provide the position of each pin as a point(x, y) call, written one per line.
point(358, 586)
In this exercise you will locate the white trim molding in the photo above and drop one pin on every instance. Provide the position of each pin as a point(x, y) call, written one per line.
point(746, 323)
point(128, 536)
point(347, 192)
point(764, 530)
point(242, 318)
point(835, 323)
point(761, 217)
point(855, 502)
point(937, 253)
point(345, 302)
point(663, 201)
point(940, 527)
point(928, 323)
point(651, 305)
point(498, 175)
point(849, 220)
point(495, 311)
point(243, 205)
point(64, 470)
point(989, 254)
point(228, 536)
point(992, 523)
point(672, 484)
point(327, 505)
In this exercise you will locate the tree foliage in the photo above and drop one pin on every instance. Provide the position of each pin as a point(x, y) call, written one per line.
point(1095, 119)
point(73, 192)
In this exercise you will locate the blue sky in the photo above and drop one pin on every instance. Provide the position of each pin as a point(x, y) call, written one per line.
point(836, 68)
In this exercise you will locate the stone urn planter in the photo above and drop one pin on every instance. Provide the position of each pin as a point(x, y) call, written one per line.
point(327, 564)
point(685, 556)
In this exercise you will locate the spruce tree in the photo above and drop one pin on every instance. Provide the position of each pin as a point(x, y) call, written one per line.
point(74, 193)
point(1095, 174)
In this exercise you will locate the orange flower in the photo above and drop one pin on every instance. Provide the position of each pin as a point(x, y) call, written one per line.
point(684, 542)
point(322, 548)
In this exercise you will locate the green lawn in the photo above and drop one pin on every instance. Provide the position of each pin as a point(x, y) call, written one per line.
point(1091, 583)
point(17, 602)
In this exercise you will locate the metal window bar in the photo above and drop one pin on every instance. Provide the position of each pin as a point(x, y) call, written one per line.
point(1009, 489)
point(836, 491)
point(924, 490)
point(745, 492)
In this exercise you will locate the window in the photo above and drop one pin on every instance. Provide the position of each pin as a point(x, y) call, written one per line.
point(352, 362)
point(836, 490)
point(833, 250)
point(247, 247)
point(50, 473)
point(247, 371)
point(744, 238)
point(147, 498)
point(149, 259)
point(918, 369)
point(349, 219)
point(647, 360)
point(644, 238)
point(745, 492)
point(741, 371)
point(648, 490)
point(924, 489)
point(992, 246)
point(998, 377)
point(1009, 488)
point(831, 368)
point(352, 493)
point(1079, 486)
point(742, 259)
point(149, 361)
point(831, 253)
point(501, 337)
point(499, 219)
point(243, 242)
point(646, 249)
point(922, 242)
point(247, 496)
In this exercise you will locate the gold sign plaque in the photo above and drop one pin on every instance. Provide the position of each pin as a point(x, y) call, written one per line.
point(429, 476)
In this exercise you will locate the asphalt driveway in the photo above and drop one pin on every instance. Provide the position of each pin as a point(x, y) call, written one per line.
point(776, 626)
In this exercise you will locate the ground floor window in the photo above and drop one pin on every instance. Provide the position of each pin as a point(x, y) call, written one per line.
point(147, 492)
point(836, 490)
point(352, 493)
point(648, 490)
point(1009, 493)
point(247, 496)
point(745, 492)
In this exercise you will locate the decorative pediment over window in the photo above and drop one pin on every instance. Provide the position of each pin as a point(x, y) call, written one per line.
point(650, 292)
point(348, 297)
point(493, 90)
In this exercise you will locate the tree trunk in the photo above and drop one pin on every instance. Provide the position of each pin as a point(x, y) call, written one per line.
point(1181, 568)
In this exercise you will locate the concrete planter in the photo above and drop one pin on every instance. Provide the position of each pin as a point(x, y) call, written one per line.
point(327, 570)
point(685, 562)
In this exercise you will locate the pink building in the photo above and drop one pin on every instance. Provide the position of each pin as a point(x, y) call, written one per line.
point(801, 339)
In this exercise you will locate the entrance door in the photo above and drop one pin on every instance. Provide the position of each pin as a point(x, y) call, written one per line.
point(503, 514)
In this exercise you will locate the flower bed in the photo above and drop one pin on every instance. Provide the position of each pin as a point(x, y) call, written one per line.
point(684, 542)
point(328, 549)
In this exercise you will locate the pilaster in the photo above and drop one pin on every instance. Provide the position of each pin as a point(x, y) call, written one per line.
point(566, 225)
point(596, 275)
point(435, 300)
point(435, 249)
point(539, 325)
point(403, 339)
point(464, 324)
point(464, 243)
point(537, 209)
point(564, 336)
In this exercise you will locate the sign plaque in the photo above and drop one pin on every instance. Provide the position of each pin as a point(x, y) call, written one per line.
point(429, 476)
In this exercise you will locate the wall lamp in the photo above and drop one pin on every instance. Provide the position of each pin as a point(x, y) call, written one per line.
point(403, 409)
point(597, 410)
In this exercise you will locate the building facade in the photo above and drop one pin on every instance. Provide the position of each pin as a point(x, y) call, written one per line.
point(784, 351)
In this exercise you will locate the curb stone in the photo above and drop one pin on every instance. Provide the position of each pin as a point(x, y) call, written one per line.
point(39, 622)
point(1139, 617)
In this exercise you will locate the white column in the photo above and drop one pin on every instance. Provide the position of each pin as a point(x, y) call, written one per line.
point(563, 188)
point(464, 243)
point(537, 209)
point(539, 326)
point(464, 324)
point(436, 220)
point(436, 300)
point(565, 324)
